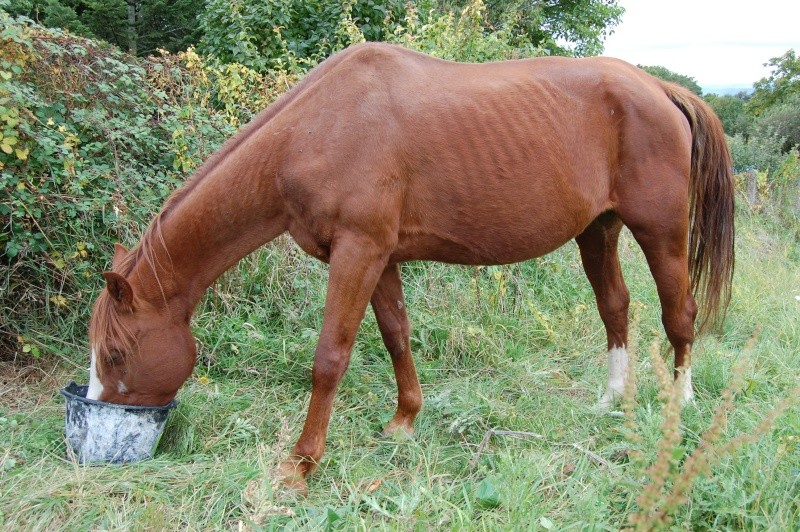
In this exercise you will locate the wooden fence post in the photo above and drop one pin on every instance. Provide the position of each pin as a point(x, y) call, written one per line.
point(752, 187)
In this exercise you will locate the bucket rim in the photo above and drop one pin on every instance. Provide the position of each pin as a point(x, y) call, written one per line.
point(71, 391)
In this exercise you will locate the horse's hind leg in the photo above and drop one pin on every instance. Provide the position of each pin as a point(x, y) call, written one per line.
point(598, 247)
point(390, 312)
point(663, 237)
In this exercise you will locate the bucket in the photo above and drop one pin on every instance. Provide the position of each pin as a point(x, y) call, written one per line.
point(99, 432)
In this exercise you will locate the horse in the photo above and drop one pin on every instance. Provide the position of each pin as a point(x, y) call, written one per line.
point(381, 155)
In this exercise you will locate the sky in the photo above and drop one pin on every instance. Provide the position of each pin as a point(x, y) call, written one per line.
point(719, 43)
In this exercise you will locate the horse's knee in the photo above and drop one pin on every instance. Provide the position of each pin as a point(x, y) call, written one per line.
point(328, 370)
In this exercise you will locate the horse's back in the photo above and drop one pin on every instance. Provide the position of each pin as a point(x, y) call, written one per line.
point(477, 163)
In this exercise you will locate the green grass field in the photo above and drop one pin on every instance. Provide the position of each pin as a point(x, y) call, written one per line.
point(518, 348)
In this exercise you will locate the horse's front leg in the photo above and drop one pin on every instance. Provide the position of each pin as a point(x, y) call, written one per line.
point(356, 265)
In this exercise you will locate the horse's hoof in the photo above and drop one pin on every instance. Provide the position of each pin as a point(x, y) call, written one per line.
point(397, 432)
point(604, 405)
point(292, 478)
point(610, 399)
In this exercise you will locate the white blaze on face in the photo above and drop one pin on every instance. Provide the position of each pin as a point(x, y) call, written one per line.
point(617, 373)
point(95, 386)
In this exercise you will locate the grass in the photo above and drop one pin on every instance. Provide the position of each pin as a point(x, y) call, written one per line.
point(517, 348)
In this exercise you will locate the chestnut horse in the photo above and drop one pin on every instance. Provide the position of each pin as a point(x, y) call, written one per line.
point(381, 155)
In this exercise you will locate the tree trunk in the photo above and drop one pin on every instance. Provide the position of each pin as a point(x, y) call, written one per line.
point(132, 37)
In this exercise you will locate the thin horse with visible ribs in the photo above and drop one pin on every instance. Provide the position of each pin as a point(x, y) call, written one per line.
point(381, 155)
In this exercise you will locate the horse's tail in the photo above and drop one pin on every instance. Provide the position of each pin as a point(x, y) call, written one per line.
point(711, 209)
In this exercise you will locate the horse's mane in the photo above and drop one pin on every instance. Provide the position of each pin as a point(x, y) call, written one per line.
point(107, 332)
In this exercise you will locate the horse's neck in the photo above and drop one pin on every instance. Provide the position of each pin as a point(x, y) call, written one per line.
point(223, 215)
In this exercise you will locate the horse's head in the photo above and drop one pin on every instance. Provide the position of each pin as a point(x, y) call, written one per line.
point(141, 352)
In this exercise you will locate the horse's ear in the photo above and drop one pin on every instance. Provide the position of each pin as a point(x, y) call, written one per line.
point(119, 288)
point(120, 252)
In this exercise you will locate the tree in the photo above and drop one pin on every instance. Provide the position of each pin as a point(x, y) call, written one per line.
point(571, 27)
point(138, 26)
point(782, 121)
point(731, 110)
point(260, 34)
point(779, 86)
point(668, 75)
point(51, 13)
point(263, 35)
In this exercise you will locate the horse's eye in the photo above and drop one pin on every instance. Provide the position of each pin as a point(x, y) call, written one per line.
point(115, 356)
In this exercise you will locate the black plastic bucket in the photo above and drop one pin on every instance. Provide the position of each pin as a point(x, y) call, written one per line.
point(99, 432)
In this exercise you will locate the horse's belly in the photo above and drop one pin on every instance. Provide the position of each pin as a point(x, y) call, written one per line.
point(485, 241)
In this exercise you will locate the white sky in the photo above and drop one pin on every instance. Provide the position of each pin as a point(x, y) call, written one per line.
point(719, 43)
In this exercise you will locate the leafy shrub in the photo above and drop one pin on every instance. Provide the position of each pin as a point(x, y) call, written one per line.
point(782, 121)
point(575, 28)
point(268, 35)
point(462, 37)
point(92, 143)
point(731, 110)
point(166, 24)
point(758, 152)
point(776, 173)
point(279, 34)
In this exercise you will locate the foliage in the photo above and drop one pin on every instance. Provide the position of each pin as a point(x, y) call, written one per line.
point(668, 75)
point(757, 152)
point(264, 35)
point(52, 13)
point(574, 28)
point(731, 110)
point(90, 146)
point(781, 120)
point(280, 33)
point(92, 143)
point(766, 132)
point(166, 24)
point(782, 83)
point(461, 37)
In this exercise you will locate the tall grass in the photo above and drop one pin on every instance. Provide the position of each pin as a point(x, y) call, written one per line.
point(517, 349)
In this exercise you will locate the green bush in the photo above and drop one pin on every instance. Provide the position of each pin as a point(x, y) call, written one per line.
point(782, 120)
point(731, 110)
point(94, 140)
point(282, 33)
point(756, 152)
point(575, 28)
point(268, 35)
point(156, 24)
point(92, 143)
point(462, 37)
